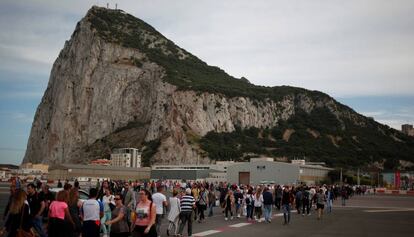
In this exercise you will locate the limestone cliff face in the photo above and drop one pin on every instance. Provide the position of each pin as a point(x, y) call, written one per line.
point(103, 95)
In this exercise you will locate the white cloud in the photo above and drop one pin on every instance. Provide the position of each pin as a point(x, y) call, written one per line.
point(343, 48)
point(17, 117)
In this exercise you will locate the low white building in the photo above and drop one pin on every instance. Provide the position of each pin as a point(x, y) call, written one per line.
point(265, 170)
point(126, 157)
point(2, 174)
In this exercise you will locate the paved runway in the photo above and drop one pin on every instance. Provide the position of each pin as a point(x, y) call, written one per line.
point(362, 216)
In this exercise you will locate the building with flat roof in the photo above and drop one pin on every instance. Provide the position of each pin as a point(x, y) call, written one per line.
point(72, 171)
point(188, 172)
point(34, 168)
point(259, 171)
point(126, 157)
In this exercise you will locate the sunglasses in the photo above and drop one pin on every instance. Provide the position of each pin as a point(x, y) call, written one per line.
point(117, 199)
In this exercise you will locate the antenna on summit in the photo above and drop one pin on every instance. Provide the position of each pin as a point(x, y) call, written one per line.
point(116, 6)
point(107, 5)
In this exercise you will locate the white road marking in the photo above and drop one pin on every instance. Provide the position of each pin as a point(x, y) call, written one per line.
point(208, 232)
point(278, 214)
point(240, 224)
point(389, 210)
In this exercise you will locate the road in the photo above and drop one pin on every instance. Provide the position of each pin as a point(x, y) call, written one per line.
point(362, 216)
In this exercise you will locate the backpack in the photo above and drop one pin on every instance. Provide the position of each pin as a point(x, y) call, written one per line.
point(248, 200)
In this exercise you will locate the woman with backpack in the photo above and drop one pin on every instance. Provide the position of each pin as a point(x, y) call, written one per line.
point(143, 222)
point(202, 203)
point(248, 200)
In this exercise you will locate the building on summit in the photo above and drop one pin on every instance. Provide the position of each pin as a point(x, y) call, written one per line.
point(407, 129)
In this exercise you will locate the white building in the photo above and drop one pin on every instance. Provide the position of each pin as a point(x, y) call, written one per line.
point(126, 157)
point(265, 170)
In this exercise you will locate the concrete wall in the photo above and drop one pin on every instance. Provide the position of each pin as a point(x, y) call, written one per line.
point(126, 174)
point(180, 174)
point(312, 174)
point(280, 173)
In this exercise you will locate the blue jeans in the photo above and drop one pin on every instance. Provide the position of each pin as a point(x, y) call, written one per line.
point(249, 210)
point(343, 200)
point(210, 209)
point(329, 205)
point(38, 226)
point(268, 212)
point(107, 217)
point(286, 212)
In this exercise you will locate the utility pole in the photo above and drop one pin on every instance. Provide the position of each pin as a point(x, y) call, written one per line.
point(358, 180)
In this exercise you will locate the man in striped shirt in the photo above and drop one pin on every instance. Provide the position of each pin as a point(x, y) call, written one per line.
point(187, 204)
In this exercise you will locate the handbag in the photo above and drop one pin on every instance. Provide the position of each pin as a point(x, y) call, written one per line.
point(20, 232)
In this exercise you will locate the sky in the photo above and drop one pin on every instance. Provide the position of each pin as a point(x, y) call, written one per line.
point(359, 52)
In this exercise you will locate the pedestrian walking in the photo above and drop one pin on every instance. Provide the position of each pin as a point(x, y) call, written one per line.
point(330, 198)
point(118, 223)
point(202, 203)
point(187, 205)
point(258, 203)
point(248, 199)
point(173, 215)
point(320, 200)
point(108, 203)
point(298, 200)
point(160, 202)
point(18, 220)
point(74, 205)
point(238, 199)
point(267, 204)
point(287, 201)
point(306, 206)
point(92, 211)
point(278, 196)
point(143, 222)
point(37, 206)
point(60, 221)
point(344, 195)
point(229, 204)
point(211, 201)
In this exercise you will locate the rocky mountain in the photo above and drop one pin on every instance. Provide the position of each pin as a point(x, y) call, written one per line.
point(120, 83)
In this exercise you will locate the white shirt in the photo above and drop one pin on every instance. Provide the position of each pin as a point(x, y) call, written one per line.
point(158, 199)
point(258, 201)
point(106, 200)
point(91, 209)
point(174, 208)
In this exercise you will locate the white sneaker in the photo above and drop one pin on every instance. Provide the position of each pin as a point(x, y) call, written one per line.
point(231, 218)
point(238, 216)
point(225, 218)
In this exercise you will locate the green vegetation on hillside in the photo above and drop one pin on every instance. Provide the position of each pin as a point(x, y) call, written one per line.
point(355, 146)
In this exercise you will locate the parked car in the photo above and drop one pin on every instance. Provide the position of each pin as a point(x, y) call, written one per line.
point(83, 194)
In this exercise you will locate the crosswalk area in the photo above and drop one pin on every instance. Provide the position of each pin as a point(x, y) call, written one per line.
point(228, 227)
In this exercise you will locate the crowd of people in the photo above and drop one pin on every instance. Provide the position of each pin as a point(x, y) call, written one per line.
point(121, 209)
